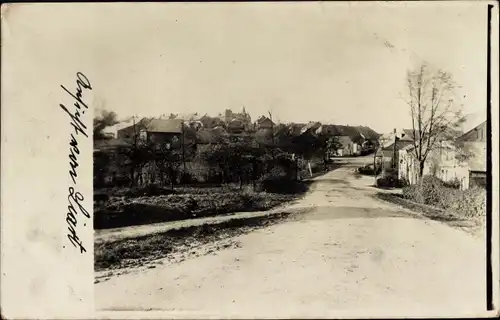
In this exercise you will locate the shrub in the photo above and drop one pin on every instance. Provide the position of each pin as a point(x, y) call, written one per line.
point(410, 192)
point(278, 181)
point(454, 184)
point(368, 170)
point(469, 203)
point(390, 179)
point(434, 192)
point(275, 173)
point(429, 191)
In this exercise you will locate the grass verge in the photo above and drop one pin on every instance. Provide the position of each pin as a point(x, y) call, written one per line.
point(139, 251)
point(472, 225)
point(194, 203)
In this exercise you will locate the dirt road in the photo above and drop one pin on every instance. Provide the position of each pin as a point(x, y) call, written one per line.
point(350, 251)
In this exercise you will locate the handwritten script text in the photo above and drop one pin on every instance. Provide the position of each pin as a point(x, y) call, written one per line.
point(79, 130)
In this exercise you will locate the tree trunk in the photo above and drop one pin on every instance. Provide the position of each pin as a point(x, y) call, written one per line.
point(421, 169)
point(420, 194)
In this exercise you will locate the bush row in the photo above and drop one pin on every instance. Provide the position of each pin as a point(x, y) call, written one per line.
point(389, 179)
point(432, 191)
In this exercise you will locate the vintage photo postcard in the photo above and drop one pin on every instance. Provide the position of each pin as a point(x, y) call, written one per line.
point(247, 160)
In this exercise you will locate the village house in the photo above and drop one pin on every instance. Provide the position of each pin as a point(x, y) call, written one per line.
point(212, 122)
point(390, 154)
point(236, 126)
point(265, 131)
point(355, 140)
point(158, 131)
point(473, 145)
point(442, 162)
point(264, 123)
point(348, 147)
point(211, 136)
point(390, 144)
point(370, 139)
point(237, 122)
point(463, 160)
point(343, 134)
point(294, 129)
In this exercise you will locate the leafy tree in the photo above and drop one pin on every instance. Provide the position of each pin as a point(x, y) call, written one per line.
point(332, 144)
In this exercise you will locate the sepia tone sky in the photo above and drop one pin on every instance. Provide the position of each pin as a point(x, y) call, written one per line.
point(343, 63)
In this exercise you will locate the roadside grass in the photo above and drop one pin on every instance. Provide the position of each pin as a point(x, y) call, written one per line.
point(472, 225)
point(142, 250)
point(192, 203)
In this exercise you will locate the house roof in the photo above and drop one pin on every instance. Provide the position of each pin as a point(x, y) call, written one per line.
point(295, 128)
point(107, 144)
point(368, 132)
point(399, 145)
point(471, 134)
point(236, 122)
point(183, 116)
point(310, 126)
point(264, 119)
point(330, 129)
point(407, 147)
point(164, 125)
point(352, 132)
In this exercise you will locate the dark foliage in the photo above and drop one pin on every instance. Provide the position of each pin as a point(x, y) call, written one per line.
point(368, 170)
point(389, 179)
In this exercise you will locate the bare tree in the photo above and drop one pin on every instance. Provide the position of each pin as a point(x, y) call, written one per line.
point(434, 112)
point(167, 159)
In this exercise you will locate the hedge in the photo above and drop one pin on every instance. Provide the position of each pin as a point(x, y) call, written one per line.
point(432, 191)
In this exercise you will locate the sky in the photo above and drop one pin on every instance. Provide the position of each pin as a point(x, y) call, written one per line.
point(341, 63)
